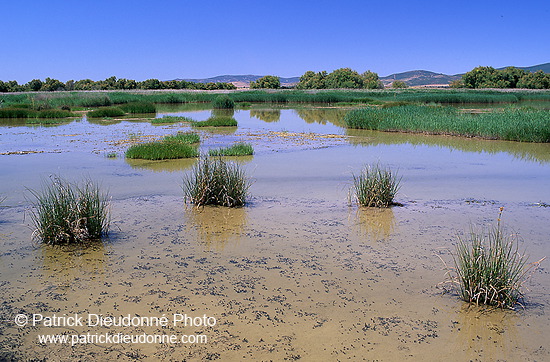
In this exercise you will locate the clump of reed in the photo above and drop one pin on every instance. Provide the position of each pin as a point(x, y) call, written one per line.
point(238, 149)
point(489, 268)
point(17, 112)
point(138, 107)
point(223, 102)
point(67, 212)
point(106, 112)
point(526, 125)
point(375, 186)
point(161, 150)
point(183, 137)
point(216, 122)
point(170, 119)
point(214, 181)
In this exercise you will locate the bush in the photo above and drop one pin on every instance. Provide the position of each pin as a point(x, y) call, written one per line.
point(216, 122)
point(223, 102)
point(106, 112)
point(213, 181)
point(139, 107)
point(375, 187)
point(239, 149)
point(68, 213)
point(489, 268)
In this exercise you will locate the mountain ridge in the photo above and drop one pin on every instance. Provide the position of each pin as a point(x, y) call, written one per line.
point(413, 78)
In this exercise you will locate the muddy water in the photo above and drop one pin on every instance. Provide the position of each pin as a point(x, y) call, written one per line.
point(298, 273)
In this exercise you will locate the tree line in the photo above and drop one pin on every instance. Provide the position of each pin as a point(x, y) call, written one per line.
point(510, 77)
point(112, 83)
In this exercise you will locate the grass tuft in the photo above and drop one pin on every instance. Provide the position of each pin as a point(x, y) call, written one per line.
point(183, 137)
point(214, 181)
point(238, 149)
point(161, 150)
point(68, 213)
point(375, 186)
point(216, 122)
point(490, 269)
point(170, 119)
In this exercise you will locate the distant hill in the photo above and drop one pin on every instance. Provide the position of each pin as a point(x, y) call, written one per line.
point(414, 78)
point(242, 81)
point(544, 67)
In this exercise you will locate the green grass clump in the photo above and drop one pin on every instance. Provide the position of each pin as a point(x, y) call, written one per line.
point(161, 150)
point(216, 122)
point(214, 181)
point(54, 113)
point(526, 125)
point(183, 137)
point(68, 213)
point(238, 149)
point(170, 119)
point(106, 112)
point(489, 268)
point(138, 107)
point(223, 102)
point(375, 186)
point(10, 112)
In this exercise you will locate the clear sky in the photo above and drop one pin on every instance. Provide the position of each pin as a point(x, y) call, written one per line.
point(136, 39)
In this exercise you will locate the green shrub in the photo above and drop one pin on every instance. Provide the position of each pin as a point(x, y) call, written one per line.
point(138, 107)
point(10, 112)
point(489, 267)
point(54, 113)
point(214, 181)
point(238, 149)
point(216, 122)
point(223, 102)
point(106, 112)
point(161, 150)
point(67, 213)
point(375, 186)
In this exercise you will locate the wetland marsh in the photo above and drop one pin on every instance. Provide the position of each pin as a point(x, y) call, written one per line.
point(299, 272)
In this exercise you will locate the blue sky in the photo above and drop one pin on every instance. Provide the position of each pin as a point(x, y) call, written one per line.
point(199, 39)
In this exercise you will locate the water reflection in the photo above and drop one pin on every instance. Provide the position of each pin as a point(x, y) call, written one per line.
point(177, 165)
point(322, 115)
point(266, 115)
point(67, 263)
point(486, 333)
point(371, 223)
point(216, 227)
point(539, 152)
point(223, 113)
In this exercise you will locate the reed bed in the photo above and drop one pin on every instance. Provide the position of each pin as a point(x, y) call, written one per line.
point(238, 149)
point(183, 137)
point(64, 212)
point(171, 119)
point(526, 125)
point(375, 186)
point(223, 102)
point(220, 121)
point(214, 181)
point(106, 112)
point(489, 268)
point(161, 150)
point(18, 112)
point(139, 107)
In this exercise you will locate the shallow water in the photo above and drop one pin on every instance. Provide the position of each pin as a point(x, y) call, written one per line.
point(298, 273)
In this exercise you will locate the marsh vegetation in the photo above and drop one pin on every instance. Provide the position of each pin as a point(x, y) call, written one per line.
point(65, 212)
point(215, 181)
point(375, 186)
point(238, 149)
